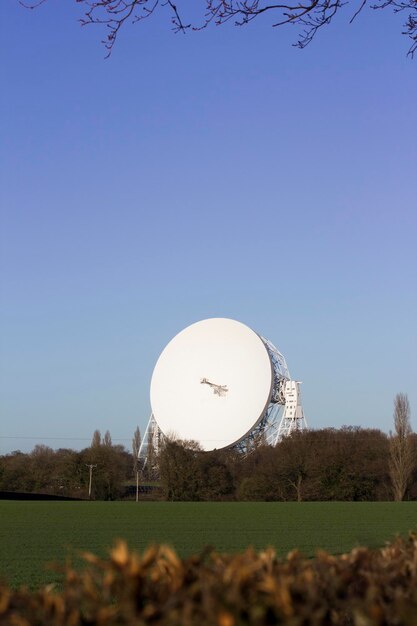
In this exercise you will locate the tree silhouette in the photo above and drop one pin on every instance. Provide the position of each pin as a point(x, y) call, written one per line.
point(402, 461)
point(136, 441)
point(308, 15)
point(96, 440)
point(107, 439)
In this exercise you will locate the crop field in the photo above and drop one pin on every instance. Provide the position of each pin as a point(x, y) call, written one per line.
point(33, 534)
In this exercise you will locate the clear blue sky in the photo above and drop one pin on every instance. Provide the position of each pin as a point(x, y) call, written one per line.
point(222, 173)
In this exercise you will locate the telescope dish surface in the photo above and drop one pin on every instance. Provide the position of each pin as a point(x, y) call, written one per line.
point(212, 383)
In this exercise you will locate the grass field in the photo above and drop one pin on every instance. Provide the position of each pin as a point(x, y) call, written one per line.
point(33, 534)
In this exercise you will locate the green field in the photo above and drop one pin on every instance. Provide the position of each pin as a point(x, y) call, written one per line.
point(33, 534)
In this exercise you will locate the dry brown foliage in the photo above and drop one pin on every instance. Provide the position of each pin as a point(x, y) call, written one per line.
point(362, 588)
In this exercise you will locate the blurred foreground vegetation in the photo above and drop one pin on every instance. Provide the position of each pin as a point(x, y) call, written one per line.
point(361, 588)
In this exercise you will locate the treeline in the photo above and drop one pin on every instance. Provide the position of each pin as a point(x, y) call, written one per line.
point(352, 464)
point(66, 472)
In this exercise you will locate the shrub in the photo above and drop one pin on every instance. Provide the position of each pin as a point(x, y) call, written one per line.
point(362, 588)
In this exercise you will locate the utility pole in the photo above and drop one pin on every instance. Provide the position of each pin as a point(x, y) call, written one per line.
point(90, 467)
point(136, 441)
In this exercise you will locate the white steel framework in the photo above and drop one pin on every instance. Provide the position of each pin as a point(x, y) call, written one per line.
point(150, 445)
point(284, 413)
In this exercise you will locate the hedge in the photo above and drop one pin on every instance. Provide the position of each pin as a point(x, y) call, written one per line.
point(362, 588)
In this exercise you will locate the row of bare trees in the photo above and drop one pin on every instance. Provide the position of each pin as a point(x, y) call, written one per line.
point(101, 471)
point(348, 464)
point(328, 464)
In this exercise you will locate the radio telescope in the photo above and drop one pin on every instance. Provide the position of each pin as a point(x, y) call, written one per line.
point(221, 384)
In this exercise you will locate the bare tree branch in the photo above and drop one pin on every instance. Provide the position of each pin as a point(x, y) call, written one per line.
point(31, 5)
point(310, 16)
point(355, 15)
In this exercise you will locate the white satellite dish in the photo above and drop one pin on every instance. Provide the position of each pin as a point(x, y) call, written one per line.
point(219, 383)
point(212, 383)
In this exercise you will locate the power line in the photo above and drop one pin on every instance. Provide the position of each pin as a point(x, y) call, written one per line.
point(58, 438)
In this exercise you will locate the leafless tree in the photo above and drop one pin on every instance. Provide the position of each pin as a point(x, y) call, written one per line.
point(136, 441)
point(107, 439)
point(308, 15)
point(96, 440)
point(401, 449)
